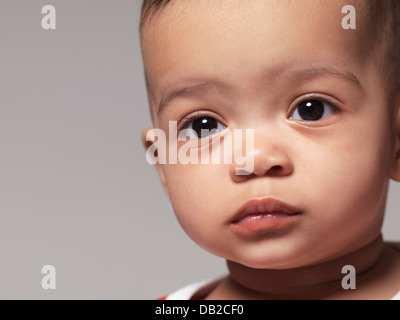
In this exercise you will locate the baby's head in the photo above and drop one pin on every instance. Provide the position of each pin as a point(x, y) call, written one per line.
point(323, 103)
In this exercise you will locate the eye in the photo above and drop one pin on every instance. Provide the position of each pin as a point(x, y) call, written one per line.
point(312, 110)
point(203, 127)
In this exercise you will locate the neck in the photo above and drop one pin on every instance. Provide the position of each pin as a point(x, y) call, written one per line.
point(322, 279)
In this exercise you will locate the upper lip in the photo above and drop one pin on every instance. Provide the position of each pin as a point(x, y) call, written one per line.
point(263, 206)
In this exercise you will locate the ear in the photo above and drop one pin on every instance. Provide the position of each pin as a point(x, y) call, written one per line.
point(395, 168)
point(148, 139)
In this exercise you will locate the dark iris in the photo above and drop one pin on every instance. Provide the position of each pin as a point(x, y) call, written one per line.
point(204, 123)
point(311, 110)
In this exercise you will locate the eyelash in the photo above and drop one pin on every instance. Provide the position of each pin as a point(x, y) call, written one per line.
point(184, 123)
point(313, 96)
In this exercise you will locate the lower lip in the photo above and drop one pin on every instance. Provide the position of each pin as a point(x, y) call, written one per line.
point(259, 222)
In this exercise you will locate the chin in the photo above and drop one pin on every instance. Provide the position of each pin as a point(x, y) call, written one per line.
point(275, 258)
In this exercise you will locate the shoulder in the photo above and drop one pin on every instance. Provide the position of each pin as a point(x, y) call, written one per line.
point(194, 291)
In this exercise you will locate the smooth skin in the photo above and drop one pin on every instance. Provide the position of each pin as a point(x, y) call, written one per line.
point(252, 63)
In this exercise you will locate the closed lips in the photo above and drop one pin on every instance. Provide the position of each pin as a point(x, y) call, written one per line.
point(257, 208)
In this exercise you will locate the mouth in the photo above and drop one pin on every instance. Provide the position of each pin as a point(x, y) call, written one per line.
point(259, 215)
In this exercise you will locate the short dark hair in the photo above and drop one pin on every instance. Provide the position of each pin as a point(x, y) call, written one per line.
point(383, 25)
point(149, 8)
point(382, 30)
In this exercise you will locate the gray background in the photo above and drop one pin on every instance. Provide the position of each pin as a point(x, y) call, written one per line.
point(75, 189)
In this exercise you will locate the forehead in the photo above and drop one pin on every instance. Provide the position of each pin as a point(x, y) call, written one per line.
point(240, 40)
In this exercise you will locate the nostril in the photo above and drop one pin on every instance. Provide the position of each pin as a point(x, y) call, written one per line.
point(276, 170)
point(243, 172)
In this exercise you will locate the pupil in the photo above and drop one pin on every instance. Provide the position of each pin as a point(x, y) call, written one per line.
point(311, 110)
point(208, 124)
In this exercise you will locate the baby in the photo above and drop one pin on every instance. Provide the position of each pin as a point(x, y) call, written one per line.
point(318, 83)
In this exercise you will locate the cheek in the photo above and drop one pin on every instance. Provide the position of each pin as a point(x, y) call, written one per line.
point(195, 194)
point(347, 182)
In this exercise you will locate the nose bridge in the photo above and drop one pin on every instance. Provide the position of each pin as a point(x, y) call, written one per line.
point(269, 142)
point(270, 152)
point(267, 139)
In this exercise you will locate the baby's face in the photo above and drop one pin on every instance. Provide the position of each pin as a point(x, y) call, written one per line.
point(322, 130)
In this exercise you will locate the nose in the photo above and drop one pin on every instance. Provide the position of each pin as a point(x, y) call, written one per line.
point(269, 157)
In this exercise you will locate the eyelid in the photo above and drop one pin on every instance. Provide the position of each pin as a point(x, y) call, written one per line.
point(314, 96)
point(183, 124)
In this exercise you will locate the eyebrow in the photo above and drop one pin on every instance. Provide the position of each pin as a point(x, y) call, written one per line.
point(199, 87)
point(187, 91)
point(348, 76)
